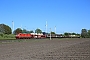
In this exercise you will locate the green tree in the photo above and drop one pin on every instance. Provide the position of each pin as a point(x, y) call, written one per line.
point(73, 33)
point(31, 31)
point(18, 30)
point(52, 32)
point(24, 31)
point(1, 29)
point(66, 34)
point(88, 33)
point(84, 33)
point(38, 31)
point(78, 34)
point(5, 29)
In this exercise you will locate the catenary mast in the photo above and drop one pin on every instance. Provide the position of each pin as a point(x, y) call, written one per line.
point(55, 29)
point(12, 27)
point(46, 26)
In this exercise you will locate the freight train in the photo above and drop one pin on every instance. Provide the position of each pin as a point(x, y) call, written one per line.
point(43, 35)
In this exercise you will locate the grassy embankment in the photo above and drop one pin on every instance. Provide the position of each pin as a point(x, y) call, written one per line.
point(6, 36)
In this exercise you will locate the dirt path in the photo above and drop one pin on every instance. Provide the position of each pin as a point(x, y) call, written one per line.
point(56, 49)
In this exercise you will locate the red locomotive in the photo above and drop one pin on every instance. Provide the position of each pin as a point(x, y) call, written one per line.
point(29, 35)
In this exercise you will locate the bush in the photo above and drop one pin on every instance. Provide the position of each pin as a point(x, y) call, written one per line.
point(1, 35)
point(9, 36)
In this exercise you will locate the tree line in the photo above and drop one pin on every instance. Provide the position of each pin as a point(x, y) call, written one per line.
point(85, 33)
point(5, 29)
point(19, 30)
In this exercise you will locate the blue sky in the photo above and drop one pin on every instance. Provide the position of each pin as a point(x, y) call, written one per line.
point(66, 15)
